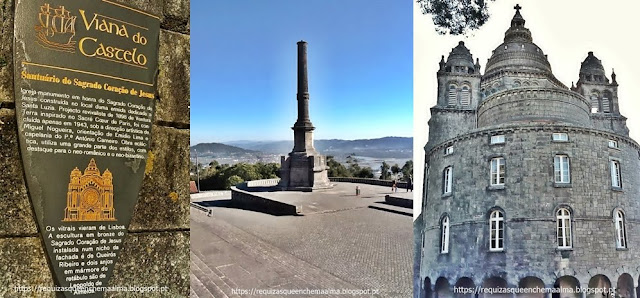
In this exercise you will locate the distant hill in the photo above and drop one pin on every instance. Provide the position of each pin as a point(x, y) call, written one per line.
point(387, 147)
point(220, 150)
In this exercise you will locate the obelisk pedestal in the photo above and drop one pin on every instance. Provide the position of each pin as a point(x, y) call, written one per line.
point(305, 169)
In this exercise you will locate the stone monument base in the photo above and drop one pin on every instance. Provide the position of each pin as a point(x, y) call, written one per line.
point(304, 172)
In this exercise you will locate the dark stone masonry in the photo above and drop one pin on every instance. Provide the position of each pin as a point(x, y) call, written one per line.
point(529, 183)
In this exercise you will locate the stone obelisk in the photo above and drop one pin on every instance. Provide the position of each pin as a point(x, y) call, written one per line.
point(305, 169)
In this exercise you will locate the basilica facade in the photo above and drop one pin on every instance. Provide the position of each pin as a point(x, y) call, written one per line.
point(529, 183)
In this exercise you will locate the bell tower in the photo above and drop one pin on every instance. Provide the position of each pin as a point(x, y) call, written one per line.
point(602, 95)
point(458, 96)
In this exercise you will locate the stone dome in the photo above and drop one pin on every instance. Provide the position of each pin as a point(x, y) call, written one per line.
point(460, 56)
point(92, 168)
point(592, 65)
point(518, 52)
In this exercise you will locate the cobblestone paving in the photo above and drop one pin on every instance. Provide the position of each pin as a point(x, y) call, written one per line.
point(358, 248)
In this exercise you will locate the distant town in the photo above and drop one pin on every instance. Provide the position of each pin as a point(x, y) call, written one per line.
point(356, 158)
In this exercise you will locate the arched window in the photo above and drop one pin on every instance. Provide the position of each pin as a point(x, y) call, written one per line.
point(616, 178)
point(453, 95)
point(595, 102)
point(447, 177)
point(606, 102)
point(516, 84)
point(621, 236)
point(444, 240)
point(563, 224)
point(496, 228)
point(465, 96)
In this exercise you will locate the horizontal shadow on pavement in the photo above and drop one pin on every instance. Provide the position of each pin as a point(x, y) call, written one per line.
point(391, 210)
point(395, 205)
point(233, 205)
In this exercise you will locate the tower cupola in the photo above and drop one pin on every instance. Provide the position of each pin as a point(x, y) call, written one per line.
point(460, 60)
point(592, 71)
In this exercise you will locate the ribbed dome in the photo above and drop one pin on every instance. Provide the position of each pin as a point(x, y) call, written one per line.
point(518, 52)
point(92, 168)
point(76, 172)
point(460, 56)
point(592, 65)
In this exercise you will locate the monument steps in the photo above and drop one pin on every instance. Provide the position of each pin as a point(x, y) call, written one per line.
point(214, 280)
point(197, 287)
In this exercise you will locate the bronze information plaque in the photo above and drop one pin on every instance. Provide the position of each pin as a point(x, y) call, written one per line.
point(84, 89)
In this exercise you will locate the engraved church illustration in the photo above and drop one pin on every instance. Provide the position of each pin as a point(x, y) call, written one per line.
point(90, 195)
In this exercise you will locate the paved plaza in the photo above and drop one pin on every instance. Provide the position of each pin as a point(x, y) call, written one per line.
point(345, 242)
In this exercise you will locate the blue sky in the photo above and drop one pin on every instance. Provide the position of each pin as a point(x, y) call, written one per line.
point(243, 68)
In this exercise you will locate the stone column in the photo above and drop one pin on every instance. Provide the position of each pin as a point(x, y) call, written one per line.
point(303, 86)
point(305, 169)
point(303, 128)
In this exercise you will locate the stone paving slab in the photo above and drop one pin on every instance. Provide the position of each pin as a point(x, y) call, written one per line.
point(226, 259)
point(355, 242)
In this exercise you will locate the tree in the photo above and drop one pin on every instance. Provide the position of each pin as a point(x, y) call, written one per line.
point(267, 170)
point(407, 169)
point(245, 171)
point(395, 169)
point(365, 172)
point(354, 168)
point(384, 168)
point(225, 176)
point(233, 181)
point(456, 17)
point(336, 169)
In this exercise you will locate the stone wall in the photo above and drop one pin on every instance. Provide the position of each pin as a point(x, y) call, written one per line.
point(156, 249)
point(534, 104)
point(389, 183)
point(253, 201)
point(445, 124)
point(529, 200)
